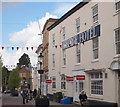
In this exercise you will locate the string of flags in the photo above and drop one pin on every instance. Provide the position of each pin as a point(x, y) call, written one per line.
point(17, 48)
point(13, 66)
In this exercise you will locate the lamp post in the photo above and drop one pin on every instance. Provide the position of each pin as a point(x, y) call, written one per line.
point(40, 71)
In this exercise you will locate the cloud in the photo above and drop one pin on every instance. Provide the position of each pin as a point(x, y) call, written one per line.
point(62, 8)
point(28, 37)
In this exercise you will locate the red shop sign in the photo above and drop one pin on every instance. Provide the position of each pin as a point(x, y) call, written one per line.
point(48, 81)
point(69, 78)
point(80, 77)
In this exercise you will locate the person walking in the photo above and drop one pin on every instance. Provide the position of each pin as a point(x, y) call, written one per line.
point(34, 93)
point(82, 97)
point(24, 96)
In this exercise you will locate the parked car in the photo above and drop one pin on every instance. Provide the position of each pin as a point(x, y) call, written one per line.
point(14, 93)
point(7, 91)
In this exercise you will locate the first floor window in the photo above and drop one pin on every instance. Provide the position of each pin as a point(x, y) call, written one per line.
point(54, 82)
point(95, 48)
point(78, 53)
point(64, 57)
point(117, 40)
point(97, 83)
point(63, 82)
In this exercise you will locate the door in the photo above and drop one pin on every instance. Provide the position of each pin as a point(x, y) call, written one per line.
point(78, 87)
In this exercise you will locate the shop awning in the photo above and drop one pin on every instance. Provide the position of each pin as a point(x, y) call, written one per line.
point(115, 66)
point(94, 70)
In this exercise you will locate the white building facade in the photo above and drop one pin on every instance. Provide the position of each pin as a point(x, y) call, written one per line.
point(84, 52)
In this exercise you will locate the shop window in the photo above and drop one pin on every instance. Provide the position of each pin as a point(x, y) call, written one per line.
point(95, 13)
point(117, 40)
point(95, 48)
point(97, 83)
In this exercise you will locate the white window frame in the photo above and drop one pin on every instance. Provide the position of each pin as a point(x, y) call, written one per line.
point(95, 13)
point(63, 81)
point(96, 48)
point(117, 5)
point(117, 40)
point(53, 82)
point(53, 39)
point(97, 83)
point(78, 25)
point(63, 32)
point(64, 57)
point(53, 59)
point(78, 59)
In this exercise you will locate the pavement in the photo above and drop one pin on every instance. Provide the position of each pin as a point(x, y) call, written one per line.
point(13, 101)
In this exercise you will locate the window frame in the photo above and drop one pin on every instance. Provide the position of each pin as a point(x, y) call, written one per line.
point(78, 25)
point(53, 82)
point(117, 40)
point(95, 48)
point(95, 14)
point(64, 57)
point(78, 54)
point(97, 84)
point(53, 59)
point(117, 6)
point(63, 81)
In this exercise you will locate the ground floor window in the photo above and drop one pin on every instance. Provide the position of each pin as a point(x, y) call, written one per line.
point(97, 83)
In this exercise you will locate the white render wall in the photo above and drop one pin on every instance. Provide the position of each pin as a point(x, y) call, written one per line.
point(108, 20)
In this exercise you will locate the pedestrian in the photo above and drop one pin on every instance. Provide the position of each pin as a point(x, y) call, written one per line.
point(82, 97)
point(34, 93)
point(24, 96)
point(31, 94)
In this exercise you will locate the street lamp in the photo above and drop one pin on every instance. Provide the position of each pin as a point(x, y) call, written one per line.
point(40, 71)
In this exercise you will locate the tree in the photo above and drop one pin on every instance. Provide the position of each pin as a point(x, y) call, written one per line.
point(5, 76)
point(1, 71)
point(14, 79)
point(24, 61)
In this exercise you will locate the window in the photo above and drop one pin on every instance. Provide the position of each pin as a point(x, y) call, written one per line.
point(78, 53)
point(53, 56)
point(95, 13)
point(54, 82)
point(53, 39)
point(95, 48)
point(64, 57)
point(97, 83)
point(78, 25)
point(63, 32)
point(63, 83)
point(117, 4)
point(117, 40)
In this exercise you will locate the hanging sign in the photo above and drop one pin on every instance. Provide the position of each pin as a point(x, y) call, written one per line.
point(48, 81)
point(80, 77)
point(82, 37)
point(69, 78)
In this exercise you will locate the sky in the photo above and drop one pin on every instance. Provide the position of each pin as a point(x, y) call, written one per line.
point(20, 28)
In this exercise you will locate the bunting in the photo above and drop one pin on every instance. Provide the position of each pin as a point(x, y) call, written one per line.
point(29, 48)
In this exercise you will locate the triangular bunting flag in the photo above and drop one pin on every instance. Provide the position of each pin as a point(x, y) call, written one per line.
point(17, 48)
point(2, 48)
point(27, 48)
point(32, 48)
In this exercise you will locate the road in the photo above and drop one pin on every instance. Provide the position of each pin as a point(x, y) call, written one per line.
point(16, 101)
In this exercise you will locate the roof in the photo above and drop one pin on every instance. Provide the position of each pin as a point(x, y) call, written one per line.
point(49, 20)
point(70, 12)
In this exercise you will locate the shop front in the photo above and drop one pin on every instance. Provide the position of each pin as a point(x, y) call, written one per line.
point(78, 84)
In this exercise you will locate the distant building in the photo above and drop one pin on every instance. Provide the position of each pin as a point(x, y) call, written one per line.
point(25, 76)
point(84, 52)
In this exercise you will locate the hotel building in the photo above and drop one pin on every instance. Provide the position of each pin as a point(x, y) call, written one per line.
point(84, 52)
